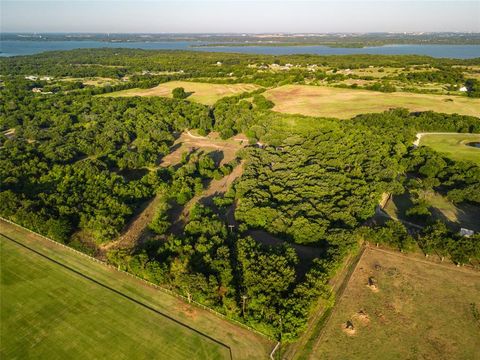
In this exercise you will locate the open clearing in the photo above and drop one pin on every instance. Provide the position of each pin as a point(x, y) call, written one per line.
point(346, 103)
point(455, 216)
point(204, 93)
point(225, 150)
point(51, 312)
point(455, 146)
point(416, 310)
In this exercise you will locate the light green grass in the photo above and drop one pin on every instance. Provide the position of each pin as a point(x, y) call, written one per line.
point(346, 103)
point(421, 310)
point(49, 312)
point(454, 145)
point(204, 93)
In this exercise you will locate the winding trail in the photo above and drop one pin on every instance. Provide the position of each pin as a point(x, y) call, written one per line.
point(133, 232)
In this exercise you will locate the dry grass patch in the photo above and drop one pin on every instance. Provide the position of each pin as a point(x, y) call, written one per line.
point(204, 93)
point(422, 311)
point(189, 141)
point(346, 103)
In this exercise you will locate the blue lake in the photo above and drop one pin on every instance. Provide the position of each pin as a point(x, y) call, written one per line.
point(27, 47)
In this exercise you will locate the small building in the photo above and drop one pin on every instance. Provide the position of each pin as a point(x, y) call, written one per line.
point(37, 90)
point(463, 89)
point(466, 232)
point(31, 77)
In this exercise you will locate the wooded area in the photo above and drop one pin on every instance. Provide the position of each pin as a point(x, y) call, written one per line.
point(76, 167)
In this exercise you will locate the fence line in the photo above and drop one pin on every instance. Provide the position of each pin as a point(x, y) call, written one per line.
point(148, 283)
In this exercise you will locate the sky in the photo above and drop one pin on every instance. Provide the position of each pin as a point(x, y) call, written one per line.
point(238, 16)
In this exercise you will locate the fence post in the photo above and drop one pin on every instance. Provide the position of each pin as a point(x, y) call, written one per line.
point(156, 286)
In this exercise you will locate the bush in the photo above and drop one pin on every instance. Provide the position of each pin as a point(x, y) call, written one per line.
point(179, 93)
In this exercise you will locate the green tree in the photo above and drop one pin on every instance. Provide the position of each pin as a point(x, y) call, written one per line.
point(179, 93)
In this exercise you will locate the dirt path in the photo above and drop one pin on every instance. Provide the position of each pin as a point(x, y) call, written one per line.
point(380, 212)
point(136, 229)
point(194, 136)
point(215, 187)
point(132, 234)
point(188, 142)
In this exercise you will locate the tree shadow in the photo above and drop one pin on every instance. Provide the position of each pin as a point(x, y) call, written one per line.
point(438, 215)
point(217, 156)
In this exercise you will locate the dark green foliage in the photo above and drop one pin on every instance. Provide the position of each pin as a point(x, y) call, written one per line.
point(460, 181)
point(473, 87)
point(179, 93)
point(383, 87)
point(308, 186)
point(77, 167)
point(436, 238)
point(444, 75)
point(262, 103)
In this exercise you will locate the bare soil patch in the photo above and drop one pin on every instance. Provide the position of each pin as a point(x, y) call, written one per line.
point(188, 142)
point(135, 230)
point(423, 311)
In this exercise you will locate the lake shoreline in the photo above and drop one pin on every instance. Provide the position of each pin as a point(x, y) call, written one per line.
point(9, 48)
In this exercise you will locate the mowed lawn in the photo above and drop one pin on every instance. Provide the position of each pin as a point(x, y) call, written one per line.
point(50, 312)
point(421, 310)
point(455, 146)
point(346, 103)
point(204, 93)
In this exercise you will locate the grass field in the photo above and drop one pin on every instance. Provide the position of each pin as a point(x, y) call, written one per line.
point(456, 216)
point(421, 310)
point(346, 103)
point(51, 312)
point(454, 145)
point(204, 93)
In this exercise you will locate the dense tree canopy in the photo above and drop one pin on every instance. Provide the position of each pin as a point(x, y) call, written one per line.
point(77, 167)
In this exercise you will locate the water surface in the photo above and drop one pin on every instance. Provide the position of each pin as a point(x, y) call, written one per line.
point(29, 47)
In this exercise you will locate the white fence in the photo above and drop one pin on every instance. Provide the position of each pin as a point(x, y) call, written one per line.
point(158, 287)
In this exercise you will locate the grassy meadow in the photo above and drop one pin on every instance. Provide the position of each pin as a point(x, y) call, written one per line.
point(456, 216)
point(455, 146)
point(204, 93)
point(346, 103)
point(51, 312)
point(419, 310)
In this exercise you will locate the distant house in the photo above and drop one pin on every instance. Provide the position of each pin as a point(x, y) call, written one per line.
point(37, 90)
point(466, 232)
point(31, 77)
point(463, 89)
